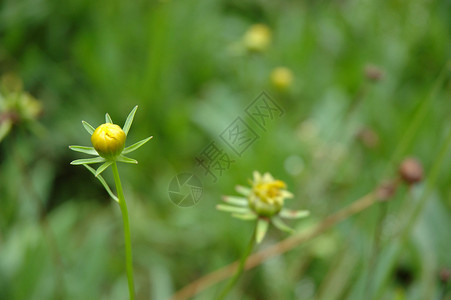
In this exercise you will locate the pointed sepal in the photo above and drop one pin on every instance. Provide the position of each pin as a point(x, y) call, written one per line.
point(262, 228)
point(136, 145)
point(88, 161)
point(88, 127)
point(129, 121)
point(83, 149)
point(276, 221)
point(232, 209)
point(246, 217)
point(243, 190)
point(293, 214)
point(103, 167)
point(239, 201)
point(127, 160)
point(103, 182)
point(108, 118)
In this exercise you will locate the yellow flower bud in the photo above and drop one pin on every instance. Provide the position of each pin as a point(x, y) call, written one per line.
point(108, 140)
point(281, 78)
point(267, 195)
point(257, 38)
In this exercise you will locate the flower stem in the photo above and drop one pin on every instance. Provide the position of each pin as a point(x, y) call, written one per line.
point(240, 269)
point(127, 239)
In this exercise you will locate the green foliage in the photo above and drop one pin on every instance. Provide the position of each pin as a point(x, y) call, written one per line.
point(371, 86)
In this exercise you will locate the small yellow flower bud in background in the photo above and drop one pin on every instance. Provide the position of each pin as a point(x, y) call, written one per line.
point(108, 140)
point(281, 78)
point(257, 38)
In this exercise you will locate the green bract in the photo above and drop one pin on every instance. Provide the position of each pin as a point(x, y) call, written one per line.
point(109, 142)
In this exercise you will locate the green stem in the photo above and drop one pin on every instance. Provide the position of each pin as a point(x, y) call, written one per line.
point(127, 239)
point(240, 269)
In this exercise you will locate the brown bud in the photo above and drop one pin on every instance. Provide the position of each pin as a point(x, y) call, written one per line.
point(444, 275)
point(411, 170)
point(368, 137)
point(373, 73)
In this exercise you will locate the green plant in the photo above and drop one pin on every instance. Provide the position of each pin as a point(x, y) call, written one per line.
point(109, 142)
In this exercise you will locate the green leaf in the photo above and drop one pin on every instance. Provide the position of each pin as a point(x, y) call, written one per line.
point(127, 160)
point(129, 121)
point(243, 190)
point(246, 217)
point(281, 225)
point(103, 182)
point(239, 201)
point(88, 127)
point(103, 167)
point(262, 228)
point(88, 161)
point(108, 119)
point(136, 145)
point(83, 149)
point(293, 214)
point(232, 209)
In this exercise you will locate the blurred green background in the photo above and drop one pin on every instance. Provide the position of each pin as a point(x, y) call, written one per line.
point(370, 87)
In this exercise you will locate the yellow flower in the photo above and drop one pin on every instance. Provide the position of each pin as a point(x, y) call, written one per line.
point(281, 78)
point(257, 38)
point(264, 201)
point(267, 195)
point(108, 140)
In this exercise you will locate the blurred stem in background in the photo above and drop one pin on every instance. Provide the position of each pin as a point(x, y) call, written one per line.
point(127, 239)
point(407, 139)
point(395, 249)
point(240, 269)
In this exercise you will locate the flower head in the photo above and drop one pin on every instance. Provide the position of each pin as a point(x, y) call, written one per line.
point(257, 38)
point(109, 141)
point(264, 201)
point(281, 78)
point(267, 195)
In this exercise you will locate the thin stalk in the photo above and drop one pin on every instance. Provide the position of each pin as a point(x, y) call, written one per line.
point(127, 239)
point(240, 269)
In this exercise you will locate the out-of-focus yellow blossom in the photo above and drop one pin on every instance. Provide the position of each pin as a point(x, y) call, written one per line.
point(108, 140)
point(267, 195)
point(281, 78)
point(264, 201)
point(257, 38)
